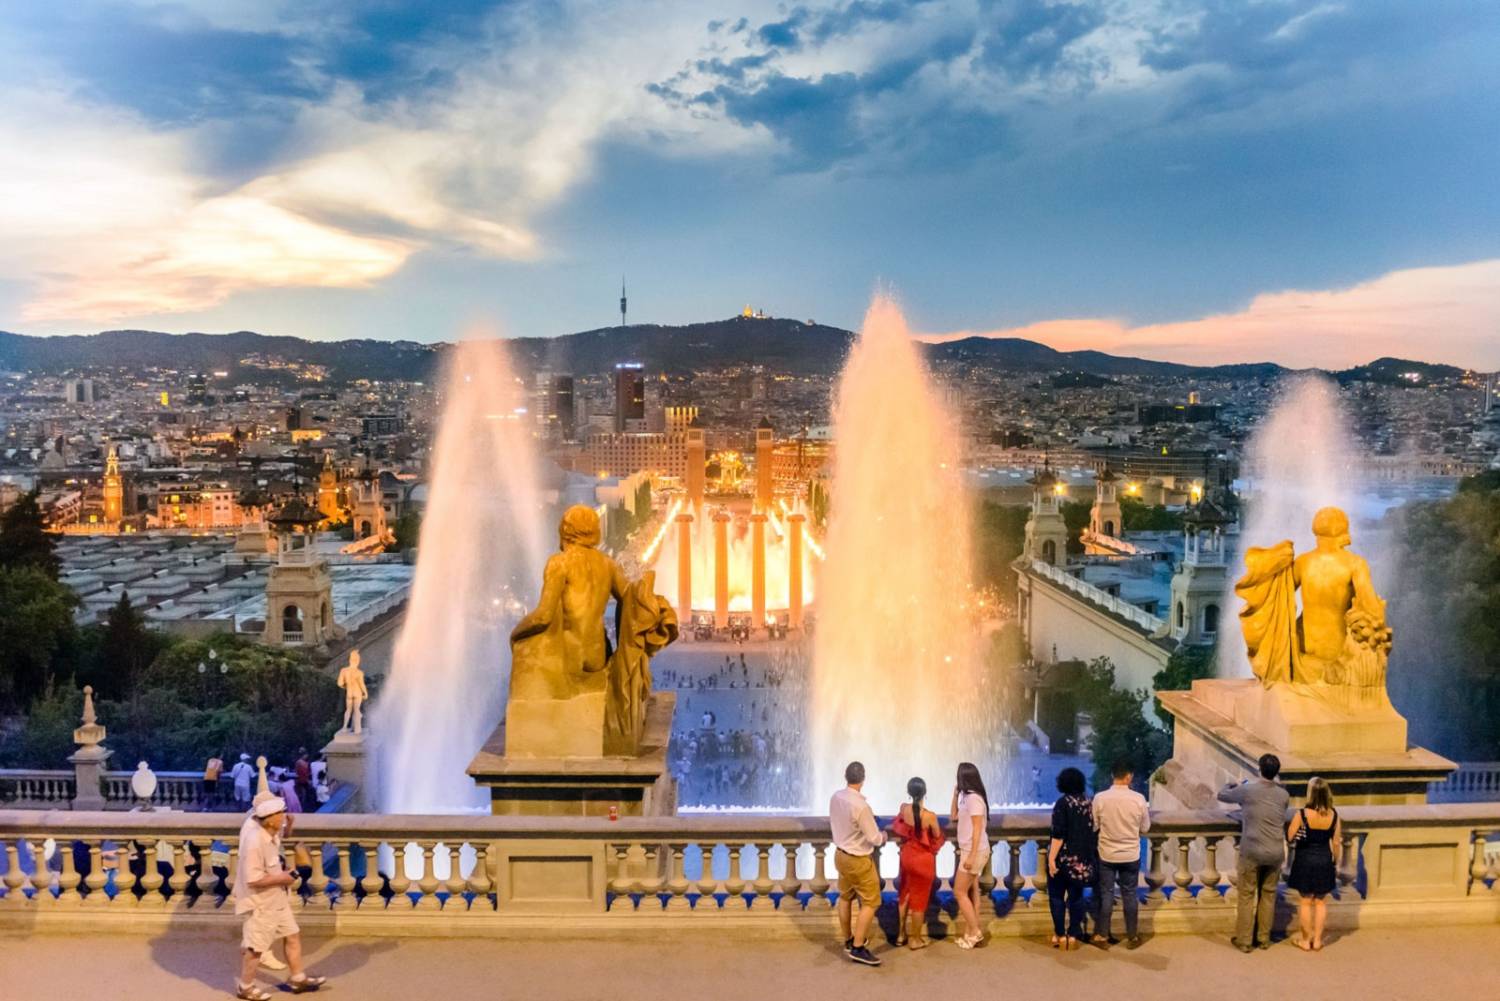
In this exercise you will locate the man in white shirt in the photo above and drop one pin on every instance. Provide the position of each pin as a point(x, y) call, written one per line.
point(1122, 817)
point(856, 837)
point(261, 893)
point(243, 773)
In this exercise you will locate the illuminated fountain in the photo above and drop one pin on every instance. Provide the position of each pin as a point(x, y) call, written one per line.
point(897, 680)
point(482, 550)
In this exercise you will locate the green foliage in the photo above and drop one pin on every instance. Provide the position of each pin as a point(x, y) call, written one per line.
point(617, 527)
point(114, 656)
point(250, 698)
point(1121, 730)
point(1186, 665)
point(37, 635)
point(1445, 614)
point(407, 531)
point(643, 501)
point(24, 541)
point(1138, 516)
point(1076, 516)
point(999, 536)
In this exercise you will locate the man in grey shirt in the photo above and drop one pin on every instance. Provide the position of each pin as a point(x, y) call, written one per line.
point(1263, 804)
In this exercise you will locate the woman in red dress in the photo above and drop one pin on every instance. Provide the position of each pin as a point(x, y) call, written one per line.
point(921, 838)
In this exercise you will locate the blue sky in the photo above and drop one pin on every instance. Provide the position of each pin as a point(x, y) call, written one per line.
point(1309, 181)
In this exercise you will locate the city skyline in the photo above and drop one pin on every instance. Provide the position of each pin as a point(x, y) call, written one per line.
point(1295, 182)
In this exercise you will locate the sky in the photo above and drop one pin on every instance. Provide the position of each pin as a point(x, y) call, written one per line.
point(1302, 181)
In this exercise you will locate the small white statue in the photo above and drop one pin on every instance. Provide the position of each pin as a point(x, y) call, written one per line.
point(352, 681)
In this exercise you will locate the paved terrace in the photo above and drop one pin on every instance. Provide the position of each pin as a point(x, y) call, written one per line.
point(1386, 964)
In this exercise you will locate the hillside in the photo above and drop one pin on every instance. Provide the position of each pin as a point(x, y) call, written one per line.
point(780, 344)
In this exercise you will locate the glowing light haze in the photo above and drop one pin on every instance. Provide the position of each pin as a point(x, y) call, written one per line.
point(778, 563)
point(480, 559)
point(896, 671)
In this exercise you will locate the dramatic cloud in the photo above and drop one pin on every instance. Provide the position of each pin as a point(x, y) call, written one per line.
point(1448, 314)
point(221, 161)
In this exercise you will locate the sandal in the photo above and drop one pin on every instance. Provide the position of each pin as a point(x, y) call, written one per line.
point(1056, 941)
point(250, 992)
point(306, 984)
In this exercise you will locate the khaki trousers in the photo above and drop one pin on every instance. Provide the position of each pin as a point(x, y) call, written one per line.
point(1256, 907)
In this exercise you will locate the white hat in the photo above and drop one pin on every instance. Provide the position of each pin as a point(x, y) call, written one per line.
point(270, 807)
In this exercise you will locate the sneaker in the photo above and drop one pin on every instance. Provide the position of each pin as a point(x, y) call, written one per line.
point(862, 954)
point(848, 946)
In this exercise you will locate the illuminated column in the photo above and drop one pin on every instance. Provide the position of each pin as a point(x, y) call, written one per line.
point(765, 448)
point(757, 571)
point(794, 572)
point(697, 465)
point(721, 569)
point(684, 569)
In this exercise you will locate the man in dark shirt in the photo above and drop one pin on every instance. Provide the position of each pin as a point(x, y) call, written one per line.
point(1263, 805)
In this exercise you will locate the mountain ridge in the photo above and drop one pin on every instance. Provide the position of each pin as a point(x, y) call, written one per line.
point(782, 344)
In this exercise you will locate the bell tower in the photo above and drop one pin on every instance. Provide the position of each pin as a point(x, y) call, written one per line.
point(114, 490)
point(1198, 584)
point(1046, 532)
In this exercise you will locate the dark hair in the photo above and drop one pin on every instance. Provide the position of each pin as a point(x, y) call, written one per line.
point(854, 773)
point(1270, 766)
point(1121, 769)
point(916, 789)
point(1070, 782)
point(969, 781)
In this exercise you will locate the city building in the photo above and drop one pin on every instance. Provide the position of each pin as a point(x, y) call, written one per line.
point(630, 397)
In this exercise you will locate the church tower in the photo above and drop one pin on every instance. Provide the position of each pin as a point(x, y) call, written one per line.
point(1198, 584)
point(1046, 532)
point(1105, 517)
point(328, 490)
point(114, 490)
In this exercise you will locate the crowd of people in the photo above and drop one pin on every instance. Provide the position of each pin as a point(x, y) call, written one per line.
point(304, 784)
point(1093, 858)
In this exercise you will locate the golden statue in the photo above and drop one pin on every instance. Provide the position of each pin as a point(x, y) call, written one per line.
point(567, 686)
point(1337, 648)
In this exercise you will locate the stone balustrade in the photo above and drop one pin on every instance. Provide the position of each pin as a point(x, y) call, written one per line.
point(1473, 781)
point(401, 875)
point(57, 788)
point(1134, 614)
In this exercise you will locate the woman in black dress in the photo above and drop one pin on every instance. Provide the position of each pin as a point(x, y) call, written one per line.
point(1072, 859)
point(1313, 833)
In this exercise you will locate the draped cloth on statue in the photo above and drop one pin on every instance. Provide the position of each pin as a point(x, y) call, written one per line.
point(1269, 618)
point(644, 624)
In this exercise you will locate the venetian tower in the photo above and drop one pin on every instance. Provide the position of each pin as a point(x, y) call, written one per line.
point(1046, 532)
point(114, 490)
point(1105, 517)
point(328, 490)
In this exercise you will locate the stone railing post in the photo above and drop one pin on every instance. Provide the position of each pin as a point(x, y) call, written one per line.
point(90, 759)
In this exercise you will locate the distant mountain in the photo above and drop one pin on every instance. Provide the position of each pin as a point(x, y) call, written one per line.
point(782, 344)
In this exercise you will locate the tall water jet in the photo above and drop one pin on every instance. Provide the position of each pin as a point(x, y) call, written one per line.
point(482, 548)
point(1300, 459)
point(896, 672)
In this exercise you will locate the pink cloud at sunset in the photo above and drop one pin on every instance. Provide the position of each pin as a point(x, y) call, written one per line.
point(1436, 314)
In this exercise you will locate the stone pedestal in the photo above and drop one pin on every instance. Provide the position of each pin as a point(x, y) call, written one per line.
point(348, 765)
point(1223, 726)
point(88, 772)
point(583, 785)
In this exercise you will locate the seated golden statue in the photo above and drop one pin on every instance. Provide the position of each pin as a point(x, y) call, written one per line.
point(570, 694)
point(1337, 648)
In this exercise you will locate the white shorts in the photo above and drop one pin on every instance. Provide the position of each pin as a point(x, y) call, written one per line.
point(264, 926)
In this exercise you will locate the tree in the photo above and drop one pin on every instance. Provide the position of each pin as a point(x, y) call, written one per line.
point(1121, 730)
point(125, 648)
point(37, 634)
point(406, 532)
point(24, 540)
point(1445, 616)
point(1186, 665)
point(1076, 516)
point(1138, 516)
point(1000, 535)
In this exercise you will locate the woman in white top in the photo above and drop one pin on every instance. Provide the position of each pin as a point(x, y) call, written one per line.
point(971, 812)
